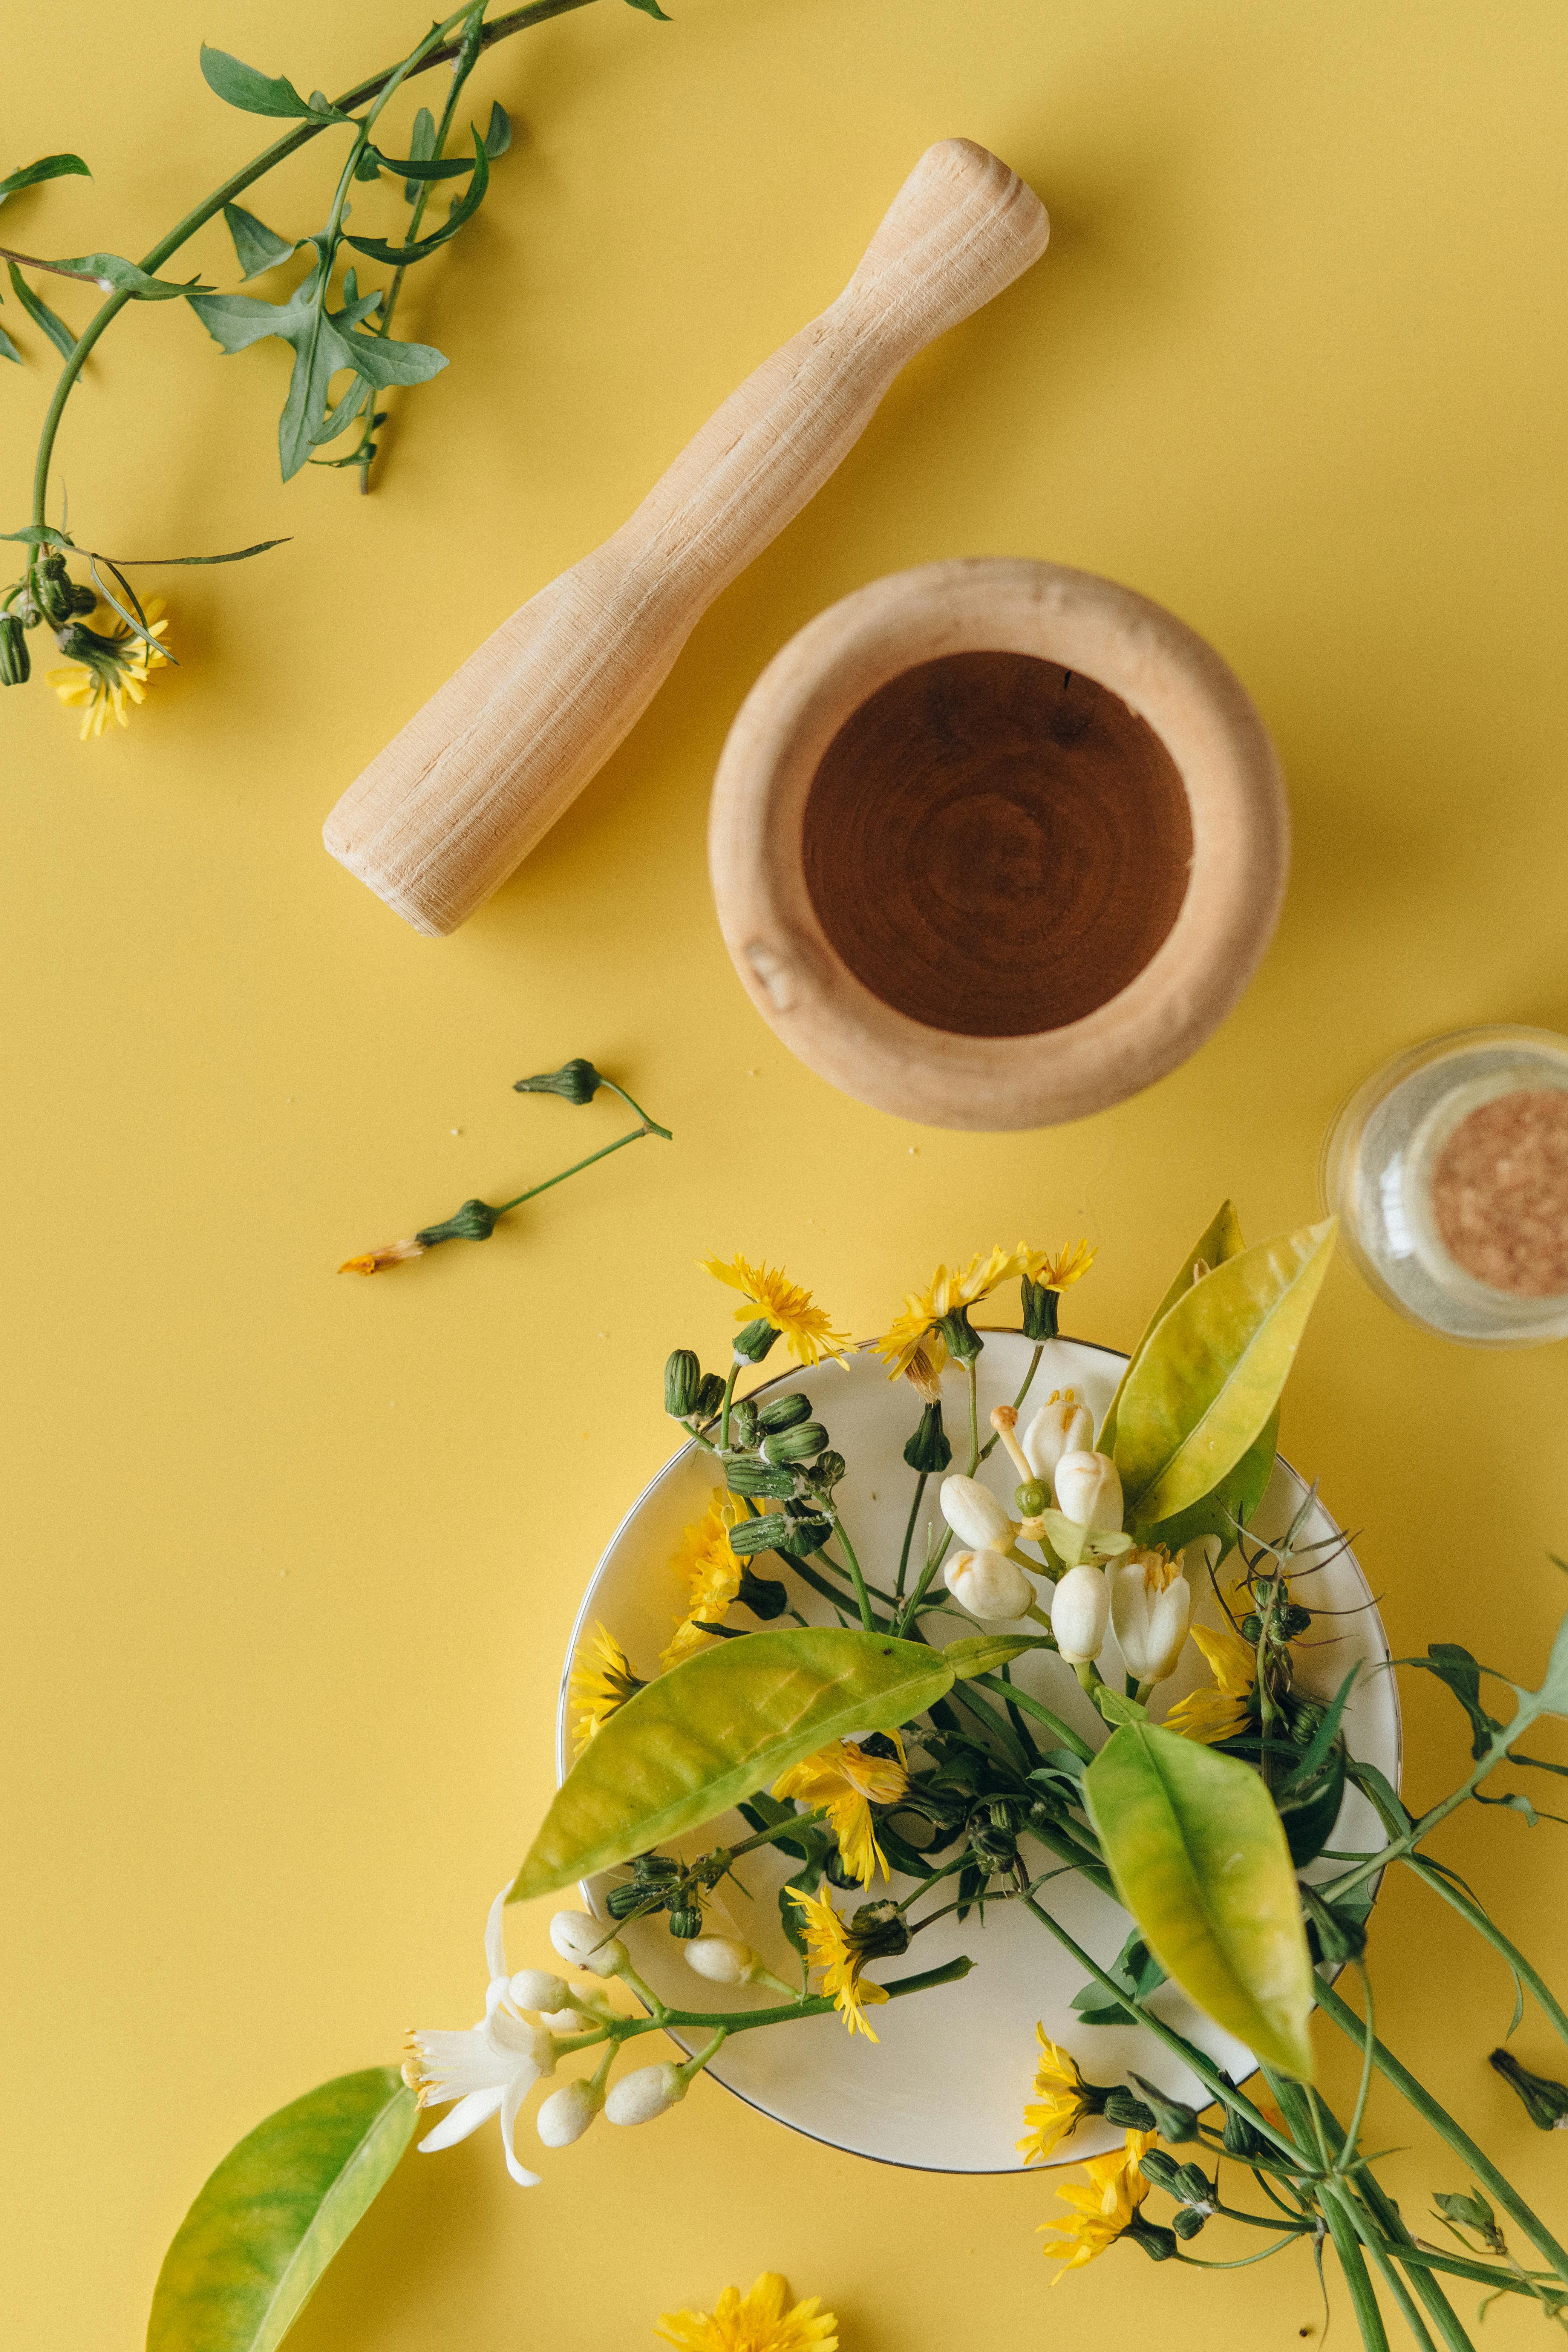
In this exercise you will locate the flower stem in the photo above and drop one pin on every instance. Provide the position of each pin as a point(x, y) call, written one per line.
point(862, 1598)
point(910, 1535)
point(1470, 1910)
point(744, 2020)
point(633, 1135)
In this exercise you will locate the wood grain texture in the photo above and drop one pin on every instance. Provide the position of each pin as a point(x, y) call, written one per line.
point(474, 779)
point(854, 1013)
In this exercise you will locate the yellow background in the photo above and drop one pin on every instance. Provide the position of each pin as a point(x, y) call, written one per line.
point(292, 1558)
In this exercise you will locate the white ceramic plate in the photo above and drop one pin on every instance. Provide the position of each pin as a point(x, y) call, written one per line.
point(944, 2088)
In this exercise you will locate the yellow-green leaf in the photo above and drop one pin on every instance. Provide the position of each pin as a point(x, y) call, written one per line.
point(982, 1654)
point(248, 2254)
point(1212, 1372)
point(714, 1730)
point(1199, 1856)
point(1220, 1239)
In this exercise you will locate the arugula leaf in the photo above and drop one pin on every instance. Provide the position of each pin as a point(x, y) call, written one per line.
point(240, 84)
point(421, 147)
point(498, 131)
point(259, 248)
point(59, 333)
point(48, 167)
point(113, 274)
point(323, 342)
point(377, 250)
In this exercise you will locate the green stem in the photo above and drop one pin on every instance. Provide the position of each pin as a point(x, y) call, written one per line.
point(1383, 2213)
point(728, 1400)
point(1400, 1847)
point(744, 2020)
point(633, 1135)
point(519, 20)
point(1486, 2173)
point(1347, 2157)
point(862, 1598)
point(973, 1416)
point(992, 1442)
point(1065, 1737)
point(910, 1535)
point(1470, 1910)
point(1352, 2263)
point(1425, 2259)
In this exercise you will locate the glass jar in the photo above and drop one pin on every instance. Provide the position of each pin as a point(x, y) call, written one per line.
point(1448, 1169)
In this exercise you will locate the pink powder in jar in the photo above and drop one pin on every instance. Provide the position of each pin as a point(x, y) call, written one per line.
point(1499, 1193)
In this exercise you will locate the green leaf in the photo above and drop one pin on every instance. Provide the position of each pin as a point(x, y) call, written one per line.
point(323, 342)
point(48, 167)
point(1553, 1693)
point(498, 131)
point(421, 147)
point(982, 1654)
point(1234, 1502)
point(240, 84)
point(7, 348)
point(1205, 1386)
point(1115, 1708)
point(113, 274)
point(473, 197)
point(1220, 1239)
point(248, 2254)
point(1199, 1857)
point(651, 8)
point(39, 535)
point(715, 1728)
point(1136, 1969)
point(1316, 1754)
point(59, 333)
point(258, 247)
point(1073, 1544)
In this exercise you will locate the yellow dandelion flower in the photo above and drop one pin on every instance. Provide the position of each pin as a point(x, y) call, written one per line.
point(807, 1329)
point(829, 1950)
point(927, 1365)
point(601, 1682)
point(1061, 2101)
point(713, 1574)
point(1214, 1715)
point(756, 2321)
point(1055, 1273)
point(1104, 2208)
point(112, 664)
point(846, 1782)
point(944, 1294)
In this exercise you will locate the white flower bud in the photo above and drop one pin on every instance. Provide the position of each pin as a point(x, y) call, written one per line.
point(581, 1938)
point(1088, 1491)
point(1080, 1607)
point(566, 2114)
point(1151, 1604)
point(975, 1515)
point(639, 2097)
point(1062, 1427)
point(989, 1586)
point(537, 1989)
point(720, 1960)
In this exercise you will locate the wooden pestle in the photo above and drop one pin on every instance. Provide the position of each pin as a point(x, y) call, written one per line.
point(475, 778)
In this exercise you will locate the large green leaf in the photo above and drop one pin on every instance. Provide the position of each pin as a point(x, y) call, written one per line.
point(1220, 1239)
point(1232, 1502)
point(714, 1730)
point(48, 167)
point(1199, 1857)
point(1204, 1387)
point(248, 2254)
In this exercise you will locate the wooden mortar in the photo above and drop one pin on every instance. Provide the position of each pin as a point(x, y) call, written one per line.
point(995, 843)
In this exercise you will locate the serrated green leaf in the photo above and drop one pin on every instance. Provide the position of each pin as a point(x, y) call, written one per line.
point(1220, 1239)
point(1199, 1857)
point(48, 167)
point(240, 84)
point(400, 256)
point(1211, 1374)
point(248, 2254)
point(258, 247)
point(715, 1728)
point(59, 333)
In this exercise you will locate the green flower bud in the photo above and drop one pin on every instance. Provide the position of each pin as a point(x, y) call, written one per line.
point(1196, 2185)
point(994, 1848)
point(709, 1397)
point(1157, 2243)
point(797, 1445)
point(772, 1532)
point(1174, 2119)
point(806, 1529)
point(56, 593)
point(686, 1923)
point(1041, 1309)
point(825, 1473)
point(1306, 1713)
point(744, 1421)
point(1293, 1619)
point(622, 1901)
point(963, 1341)
point(762, 1595)
point(682, 1384)
point(1186, 2220)
point(1126, 2112)
point(1545, 2102)
point(1252, 1627)
point(748, 1476)
point(474, 1222)
point(879, 1931)
point(1031, 1498)
point(655, 1869)
point(1238, 2137)
point(15, 661)
point(927, 1449)
point(754, 1340)
point(575, 1081)
point(1161, 2168)
point(783, 1412)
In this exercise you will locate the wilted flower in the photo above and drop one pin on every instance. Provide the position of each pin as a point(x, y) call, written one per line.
point(1080, 1609)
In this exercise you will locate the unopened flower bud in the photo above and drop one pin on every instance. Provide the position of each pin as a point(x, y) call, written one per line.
point(566, 2114)
point(537, 1989)
point(474, 1222)
point(1089, 1490)
point(575, 1081)
point(927, 1449)
point(975, 1515)
point(1062, 1426)
point(743, 1422)
point(1194, 2183)
point(797, 1445)
point(1187, 2220)
point(1174, 2119)
point(752, 1341)
point(719, 1959)
point(682, 1383)
point(784, 1412)
point(15, 661)
point(1545, 2102)
point(1162, 2169)
point(746, 1473)
point(649, 2091)
point(1080, 1609)
point(988, 1585)
point(1151, 1607)
point(581, 1938)
point(1158, 2244)
point(709, 1397)
point(685, 1920)
point(1126, 2110)
point(769, 1533)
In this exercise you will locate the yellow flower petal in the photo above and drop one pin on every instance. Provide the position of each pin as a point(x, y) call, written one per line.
point(806, 1329)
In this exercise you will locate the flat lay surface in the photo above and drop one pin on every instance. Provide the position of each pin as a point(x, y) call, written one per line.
point(292, 1560)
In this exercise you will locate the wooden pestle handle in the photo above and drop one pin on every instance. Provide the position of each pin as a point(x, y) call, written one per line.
point(475, 778)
